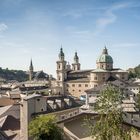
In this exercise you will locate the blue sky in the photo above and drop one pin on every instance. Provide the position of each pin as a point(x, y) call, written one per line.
point(37, 28)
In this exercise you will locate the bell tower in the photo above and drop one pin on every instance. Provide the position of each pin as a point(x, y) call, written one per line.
point(61, 70)
point(31, 71)
point(76, 65)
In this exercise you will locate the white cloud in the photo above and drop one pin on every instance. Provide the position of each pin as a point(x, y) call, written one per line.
point(3, 27)
point(109, 17)
point(106, 20)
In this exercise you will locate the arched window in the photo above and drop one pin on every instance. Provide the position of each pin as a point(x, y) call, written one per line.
point(59, 66)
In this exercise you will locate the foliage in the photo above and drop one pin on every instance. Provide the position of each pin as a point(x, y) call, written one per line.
point(135, 72)
point(18, 75)
point(109, 121)
point(131, 75)
point(44, 128)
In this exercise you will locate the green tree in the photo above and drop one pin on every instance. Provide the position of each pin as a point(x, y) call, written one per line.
point(44, 127)
point(108, 123)
point(131, 75)
point(137, 70)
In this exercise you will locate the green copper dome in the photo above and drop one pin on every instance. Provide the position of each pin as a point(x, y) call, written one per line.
point(105, 57)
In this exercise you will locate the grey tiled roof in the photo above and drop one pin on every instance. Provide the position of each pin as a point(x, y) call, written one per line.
point(32, 96)
point(13, 110)
point(78, 80)
point(81, 71)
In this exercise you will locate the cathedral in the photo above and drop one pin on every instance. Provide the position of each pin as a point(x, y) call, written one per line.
point(75, 81)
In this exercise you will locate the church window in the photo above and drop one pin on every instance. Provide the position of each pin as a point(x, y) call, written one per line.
point(75, 112)
point(79, 85)
point(58, 66)
point(70, 114)
point(123, 77)
point(73, 90)
point(103, 78)
point(59, 78)
point(73, 85)
point(95, 78)
point(62, 117)
point(79, 90)
point(134, 95)
point(86, 85)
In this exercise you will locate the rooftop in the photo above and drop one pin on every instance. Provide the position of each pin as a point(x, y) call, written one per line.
point(32, 96)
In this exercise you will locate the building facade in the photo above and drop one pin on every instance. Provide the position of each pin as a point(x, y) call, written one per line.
point(75, 81)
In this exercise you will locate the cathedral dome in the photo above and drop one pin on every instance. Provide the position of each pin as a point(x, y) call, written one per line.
point(104, 57)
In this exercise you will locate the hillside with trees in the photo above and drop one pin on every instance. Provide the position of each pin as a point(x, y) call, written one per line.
point(18, 75)
point(134, 72)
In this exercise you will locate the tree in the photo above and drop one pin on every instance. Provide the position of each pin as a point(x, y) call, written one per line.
point(44, 127)
point(137, 70)
point(108, 124)
point(134, 72)
point(131, 75)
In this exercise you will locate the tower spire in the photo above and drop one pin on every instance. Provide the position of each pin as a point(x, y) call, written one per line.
point(61, 54)
point(76, 58)
point(105, 51)
point(31, 65)
point(31, 70)
point(76, 64)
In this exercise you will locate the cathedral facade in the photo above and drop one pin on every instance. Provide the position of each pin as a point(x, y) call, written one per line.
point(75, 81)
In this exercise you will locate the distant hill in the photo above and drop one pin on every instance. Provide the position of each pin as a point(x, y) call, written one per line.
point(18, 75)
point(134, 72)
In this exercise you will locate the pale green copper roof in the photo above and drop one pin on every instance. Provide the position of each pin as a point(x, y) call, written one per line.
point(100, 70)
point(105, 57)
